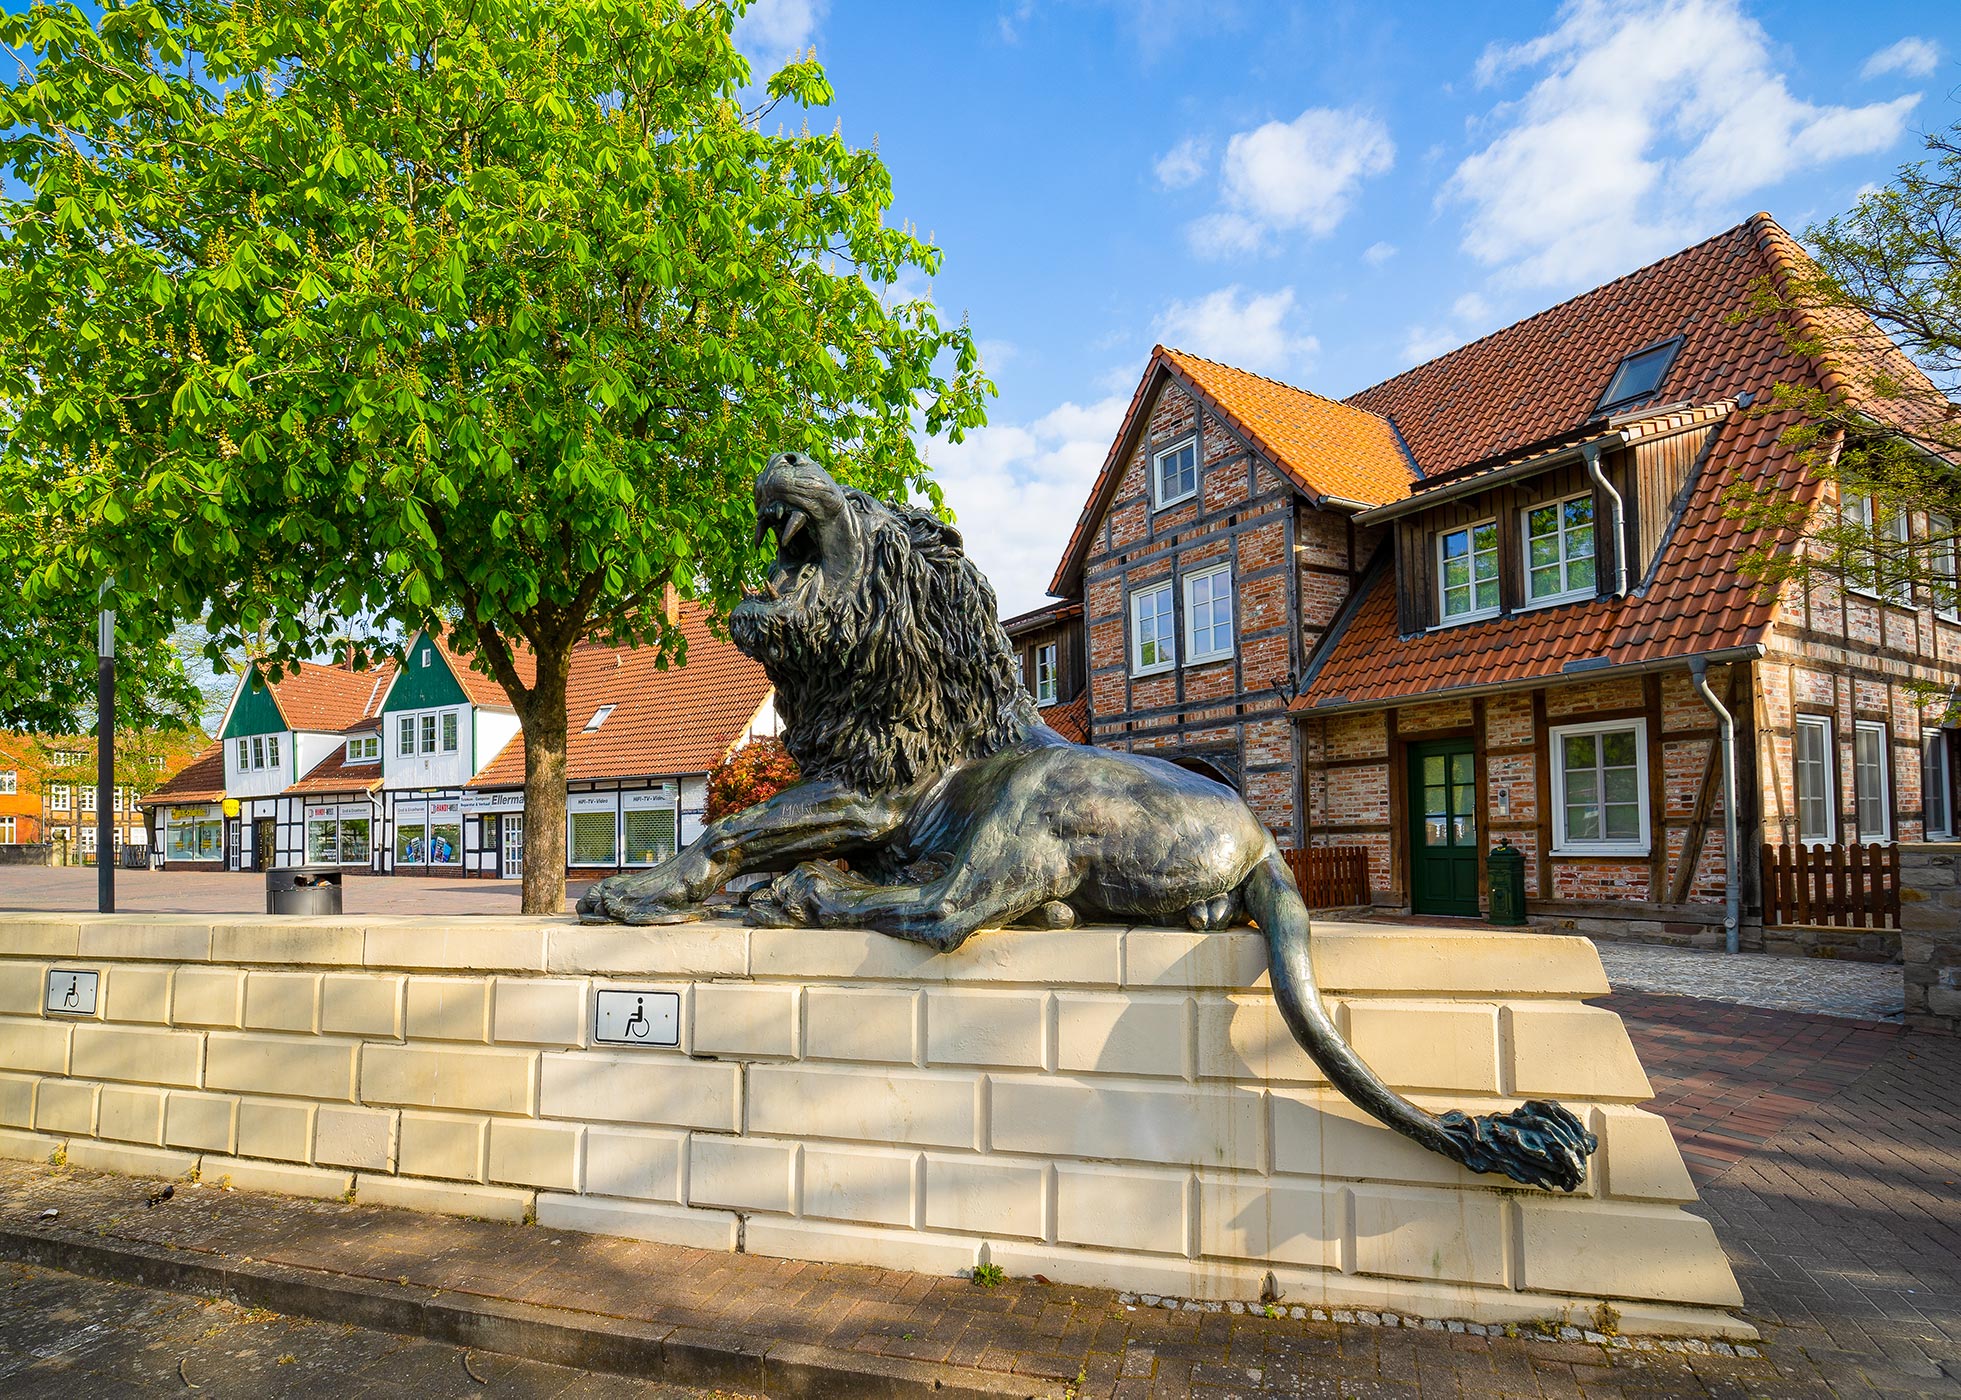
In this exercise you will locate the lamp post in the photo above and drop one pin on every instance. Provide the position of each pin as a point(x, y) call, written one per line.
point(105, 755)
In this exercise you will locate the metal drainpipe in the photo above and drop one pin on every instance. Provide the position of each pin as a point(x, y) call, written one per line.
point(1592, 453)
point(1732, 883)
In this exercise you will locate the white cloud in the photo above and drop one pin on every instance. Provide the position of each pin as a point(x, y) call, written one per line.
point(1912, 57)
point(770, 31)
point(1470, 317)
point(1240, 328)
point(1184, 163)
point(1376, 254)
point(996, 353)
point(1654, 121)
point(1016, 490)
point(1297, 176)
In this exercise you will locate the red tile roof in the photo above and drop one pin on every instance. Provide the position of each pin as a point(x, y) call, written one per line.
point(1542, 377)
point(334, 774)
point(1327, 448)
point(479, 686)
point(327, 698)
point(664, 723)
point(1071, 721)
point(200, 780)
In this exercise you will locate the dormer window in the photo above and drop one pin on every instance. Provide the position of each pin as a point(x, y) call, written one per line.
point(598, 718)
point(1468, 572)
point(1638, 377)
point(1559, 550)
point(1174, 474)
point(363, 748)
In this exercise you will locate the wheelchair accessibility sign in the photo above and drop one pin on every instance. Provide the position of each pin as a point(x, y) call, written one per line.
point(623, 1017)
point(71, 992)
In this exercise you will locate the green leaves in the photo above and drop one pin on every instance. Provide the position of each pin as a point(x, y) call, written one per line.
point(362, 314)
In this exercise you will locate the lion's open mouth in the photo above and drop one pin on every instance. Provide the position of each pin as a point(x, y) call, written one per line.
point(797, 565)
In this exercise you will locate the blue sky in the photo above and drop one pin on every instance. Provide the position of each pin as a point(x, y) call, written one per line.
point(1327, 193)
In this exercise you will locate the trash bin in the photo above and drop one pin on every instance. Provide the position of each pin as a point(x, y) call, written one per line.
point(134, 857)
point(303, 889)
point(1507, 867)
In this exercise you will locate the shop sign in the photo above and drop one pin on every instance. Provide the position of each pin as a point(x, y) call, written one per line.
point(592, 802)
point(661, 796)
point(208, 813)
point(494, 801)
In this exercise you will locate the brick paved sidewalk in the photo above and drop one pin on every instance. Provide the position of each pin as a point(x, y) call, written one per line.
point(1827, 1150)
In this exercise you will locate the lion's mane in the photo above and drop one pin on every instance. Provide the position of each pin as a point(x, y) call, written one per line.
point(903, 679)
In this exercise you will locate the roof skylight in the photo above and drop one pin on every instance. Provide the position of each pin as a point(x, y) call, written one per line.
point(598, 718)
point(1637, 377)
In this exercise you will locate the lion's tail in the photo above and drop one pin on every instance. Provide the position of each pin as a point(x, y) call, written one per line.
point(1540, 1143)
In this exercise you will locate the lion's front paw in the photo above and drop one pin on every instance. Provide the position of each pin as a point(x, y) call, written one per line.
point(790, 900)
point(638, 899)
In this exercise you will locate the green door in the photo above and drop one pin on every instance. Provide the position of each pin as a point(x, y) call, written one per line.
point(1443, 828)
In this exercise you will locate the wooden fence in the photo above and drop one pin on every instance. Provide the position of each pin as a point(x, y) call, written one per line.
point(1850, 886)
point(1331, 877)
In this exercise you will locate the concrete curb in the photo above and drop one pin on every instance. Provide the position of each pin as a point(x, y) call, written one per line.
point(590, 1341)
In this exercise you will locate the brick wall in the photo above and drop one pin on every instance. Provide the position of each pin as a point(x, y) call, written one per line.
point(1292, 570)
point(1104, 1106)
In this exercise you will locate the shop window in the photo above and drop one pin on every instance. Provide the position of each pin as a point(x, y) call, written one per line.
point(1467, 572)
point(1600, 786)
point(594, 838)
point(1045, 674)
point(1559, 550)
point(1208, 615)
point(1811, 762)
point(1152, 646)
point(1872, 782)
point(649, 835)
point(1174, 474)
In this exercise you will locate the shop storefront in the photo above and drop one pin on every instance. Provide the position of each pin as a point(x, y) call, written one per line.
point(340, 833)
point(428, 836)
point(192, 835)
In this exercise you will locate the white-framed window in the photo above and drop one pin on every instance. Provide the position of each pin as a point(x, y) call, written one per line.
point(1174, 474)
point(1812, 768)
point(1936, 786)
point(65, 758)
point(1941, 560)
point(1467, 572)
point(1153, 645)
point(598, 718)
point(6, 831)
point(405, 736)
point(9, 780)
point(1880, 576)
point(272, 750)
point(1045, 674)
point(1872, 782)
point(649, 822)
point(1600, 787)
point(449, 731)
point(428, 723)
point(116, 798)
point(1559, 550)
point(88, 799)
point(592, 828)
point(364, 748)
point(88, 840)
point(1208, 614)
point(258, 751)
point(60, 796)
point(244, 755)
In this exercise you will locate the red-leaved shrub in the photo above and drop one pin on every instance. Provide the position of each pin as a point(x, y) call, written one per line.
point(753, 773)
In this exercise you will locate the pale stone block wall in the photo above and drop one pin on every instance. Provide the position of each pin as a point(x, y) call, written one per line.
point(1104, 1106)
point(1930, 933)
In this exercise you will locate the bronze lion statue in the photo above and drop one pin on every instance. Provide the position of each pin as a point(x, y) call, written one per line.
point(926, 770)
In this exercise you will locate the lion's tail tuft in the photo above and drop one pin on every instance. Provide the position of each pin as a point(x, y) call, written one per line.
point(1538, 1143)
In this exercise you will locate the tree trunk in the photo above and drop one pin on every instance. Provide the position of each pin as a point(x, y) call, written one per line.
point(542, 719)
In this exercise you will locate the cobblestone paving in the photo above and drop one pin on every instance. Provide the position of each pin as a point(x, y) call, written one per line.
point(1864, 991)
point(63, 1335)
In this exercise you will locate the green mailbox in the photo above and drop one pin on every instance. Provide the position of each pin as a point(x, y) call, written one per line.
point(1507, 867)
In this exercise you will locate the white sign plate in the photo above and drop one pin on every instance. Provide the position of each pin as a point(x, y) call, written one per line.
point(634, 1017)
point(71, 991)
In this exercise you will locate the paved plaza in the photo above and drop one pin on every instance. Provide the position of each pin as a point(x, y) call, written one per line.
point(1825, 1149)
